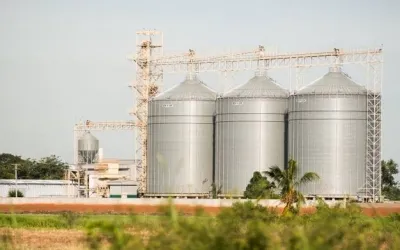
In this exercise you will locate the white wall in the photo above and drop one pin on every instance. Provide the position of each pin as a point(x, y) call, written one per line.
point(39, 190)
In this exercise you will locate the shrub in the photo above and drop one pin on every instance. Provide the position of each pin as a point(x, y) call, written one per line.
point(11, 193)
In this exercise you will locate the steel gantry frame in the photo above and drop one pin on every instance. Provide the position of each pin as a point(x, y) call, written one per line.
point(259, 58)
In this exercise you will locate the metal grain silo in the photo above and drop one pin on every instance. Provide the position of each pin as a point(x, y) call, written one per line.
point(250, 132)
point(180, 140)
point(88, 147)
point(327, 134)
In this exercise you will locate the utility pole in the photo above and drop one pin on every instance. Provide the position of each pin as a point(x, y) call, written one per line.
point(16, 178)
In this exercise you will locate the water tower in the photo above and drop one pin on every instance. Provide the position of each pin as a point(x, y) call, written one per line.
point(88, 148)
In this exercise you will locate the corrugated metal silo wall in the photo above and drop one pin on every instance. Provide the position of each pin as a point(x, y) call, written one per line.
point(180, 146)
point(250, 136)
point(327, 135)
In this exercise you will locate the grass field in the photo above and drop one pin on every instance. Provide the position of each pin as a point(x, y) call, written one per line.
point(71, 220)
point(61, 231)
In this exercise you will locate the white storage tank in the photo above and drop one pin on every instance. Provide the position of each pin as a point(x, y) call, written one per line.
point(250, 132)
point(327, 134)
point(180, 140)
point(88, 148)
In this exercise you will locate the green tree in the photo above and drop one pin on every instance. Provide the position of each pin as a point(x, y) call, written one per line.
point(49, 168)
point(289, 183)
point(259, 187)
point(389, 185)
point(7, 167)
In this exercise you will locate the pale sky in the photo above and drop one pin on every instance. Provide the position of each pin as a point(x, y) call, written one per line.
point(61, 61)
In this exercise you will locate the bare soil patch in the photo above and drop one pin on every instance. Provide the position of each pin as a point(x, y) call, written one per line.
point(43, 239)
point(101, 209)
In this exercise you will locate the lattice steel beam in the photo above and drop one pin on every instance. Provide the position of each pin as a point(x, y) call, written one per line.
point(105, 125)
point(374, 132)
point(252, 60)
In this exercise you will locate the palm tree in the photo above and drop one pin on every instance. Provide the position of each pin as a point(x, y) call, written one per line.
point(289, 184)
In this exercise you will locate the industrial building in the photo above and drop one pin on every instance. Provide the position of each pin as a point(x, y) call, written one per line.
point(189, 136)
point(123, 189)
point(39, 188)
point(96, 176)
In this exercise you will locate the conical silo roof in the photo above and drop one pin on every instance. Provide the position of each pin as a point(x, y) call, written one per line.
point(334, 82)
point(260, 86)
point(87, 136)
point(190, 89)
point(88, 142)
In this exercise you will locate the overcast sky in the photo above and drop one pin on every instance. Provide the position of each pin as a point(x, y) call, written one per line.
point(61, 61)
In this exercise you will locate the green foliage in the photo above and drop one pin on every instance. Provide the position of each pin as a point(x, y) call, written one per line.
point(389, 185)
point(12, 193)
point(113, 234)
point(241, 212)
point(47, 168)
point(31, 221)
point(70, 218)
point(391, 193)
point(248, 226)
point(215, 191)
point(389, 169)
point(259, 187)
point(289, 184)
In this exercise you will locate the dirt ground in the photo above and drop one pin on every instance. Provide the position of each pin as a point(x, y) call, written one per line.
point(43, 239)
point(101, 209)
point(368, 209)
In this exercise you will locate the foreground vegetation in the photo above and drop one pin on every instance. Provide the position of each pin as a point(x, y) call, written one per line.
point(244, 226)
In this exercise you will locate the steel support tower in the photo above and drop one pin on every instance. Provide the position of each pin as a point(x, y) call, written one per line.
point(374, 130)
point(149, 45)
